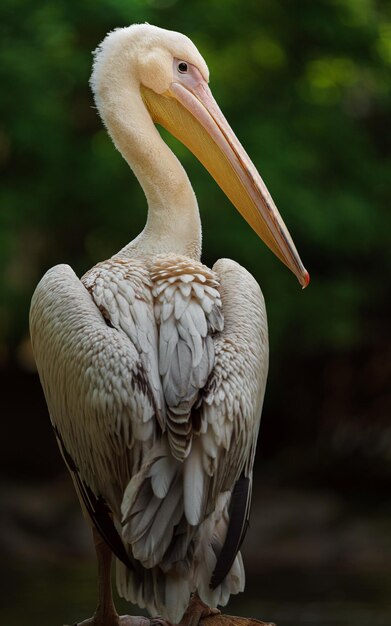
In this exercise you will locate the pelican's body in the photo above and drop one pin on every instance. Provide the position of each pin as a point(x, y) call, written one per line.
point(153, 366)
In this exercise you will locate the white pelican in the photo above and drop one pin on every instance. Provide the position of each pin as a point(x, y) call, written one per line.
point(154, 366)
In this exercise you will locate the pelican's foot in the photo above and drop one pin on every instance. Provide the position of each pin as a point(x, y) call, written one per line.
point(159, 621)
point(134, 620)
point(196, 611)
point(116, 620)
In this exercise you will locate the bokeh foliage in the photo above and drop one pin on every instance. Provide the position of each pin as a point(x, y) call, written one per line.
point(307, 87)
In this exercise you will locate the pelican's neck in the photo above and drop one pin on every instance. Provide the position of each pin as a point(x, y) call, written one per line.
point(173, 223)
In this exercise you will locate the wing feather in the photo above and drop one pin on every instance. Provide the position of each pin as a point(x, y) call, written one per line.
point(183, 309)
point(96, 509)
point(230, 413)
point(239, 510)
point(101, 384)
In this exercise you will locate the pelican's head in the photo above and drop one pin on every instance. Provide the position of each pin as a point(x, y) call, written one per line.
point(173, 80)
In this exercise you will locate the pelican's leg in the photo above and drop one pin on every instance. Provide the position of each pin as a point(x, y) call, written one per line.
point(196, 611)
point(106, 614)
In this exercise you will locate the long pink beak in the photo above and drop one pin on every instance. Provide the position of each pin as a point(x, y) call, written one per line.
point(190, 113)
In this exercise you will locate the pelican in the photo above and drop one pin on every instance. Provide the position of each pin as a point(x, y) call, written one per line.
point(153, 365)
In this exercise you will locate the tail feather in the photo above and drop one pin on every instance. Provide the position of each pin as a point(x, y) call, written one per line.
point(163, 594)
point(176, 600)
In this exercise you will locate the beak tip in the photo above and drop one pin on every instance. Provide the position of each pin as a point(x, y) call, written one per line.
point(305, 279)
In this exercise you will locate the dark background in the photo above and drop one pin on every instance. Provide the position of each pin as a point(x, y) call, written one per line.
point(307, 88)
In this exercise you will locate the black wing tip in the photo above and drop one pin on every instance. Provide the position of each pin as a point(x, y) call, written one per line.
point(215, 581)
point(237, 528)
point(97, 509)
point(105, 526)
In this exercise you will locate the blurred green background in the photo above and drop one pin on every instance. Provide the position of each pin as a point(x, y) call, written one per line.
point(307, 88)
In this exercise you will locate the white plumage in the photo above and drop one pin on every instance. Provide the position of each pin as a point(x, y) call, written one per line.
point(130, 430)
point(153, 366)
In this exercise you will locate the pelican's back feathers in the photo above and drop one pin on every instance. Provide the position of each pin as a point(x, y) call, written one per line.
point(157, 402)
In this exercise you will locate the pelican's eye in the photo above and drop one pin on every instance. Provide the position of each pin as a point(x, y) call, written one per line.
point(182, 67)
